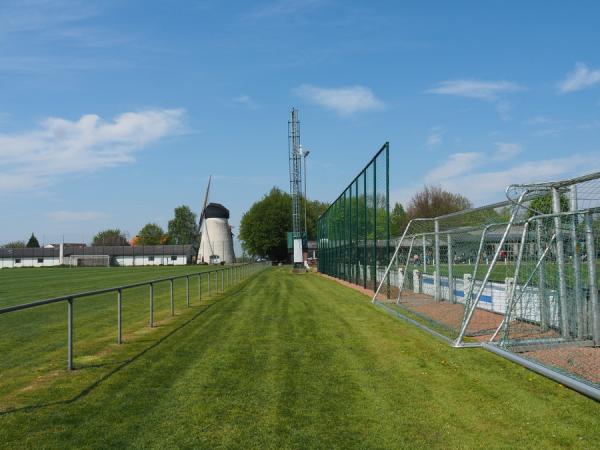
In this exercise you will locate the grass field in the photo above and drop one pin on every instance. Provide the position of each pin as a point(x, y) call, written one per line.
point(33, 342)
point(298, 361)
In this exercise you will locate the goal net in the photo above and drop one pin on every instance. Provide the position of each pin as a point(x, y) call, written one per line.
point(89, 261)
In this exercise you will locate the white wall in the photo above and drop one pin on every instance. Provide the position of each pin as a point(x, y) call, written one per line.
point(48, 261)
point(216, 240)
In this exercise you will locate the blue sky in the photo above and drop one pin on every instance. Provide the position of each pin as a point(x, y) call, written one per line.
point(113, 113)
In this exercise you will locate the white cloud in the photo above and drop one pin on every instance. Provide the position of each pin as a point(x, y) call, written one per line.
point(76, 216)
point(247, 101)
point(39, 157)
point(435, 136)
point(581, 78)
point(482, 90)
point(486, 186)
point(456, 164)
point(344, 100)
point(506, 151)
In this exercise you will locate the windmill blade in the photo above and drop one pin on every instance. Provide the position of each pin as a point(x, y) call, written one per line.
point(205, 204)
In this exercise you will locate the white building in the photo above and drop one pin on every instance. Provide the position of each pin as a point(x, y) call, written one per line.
point(117, 255)
point(216, 242)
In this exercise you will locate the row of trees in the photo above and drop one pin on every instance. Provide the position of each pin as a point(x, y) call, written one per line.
point(31, 243)
point(263, 227)
point(182, 229)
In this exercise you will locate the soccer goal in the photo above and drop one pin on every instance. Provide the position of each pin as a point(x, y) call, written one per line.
point(89, 261)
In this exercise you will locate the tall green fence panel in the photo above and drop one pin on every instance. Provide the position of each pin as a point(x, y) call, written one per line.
point(354, 232)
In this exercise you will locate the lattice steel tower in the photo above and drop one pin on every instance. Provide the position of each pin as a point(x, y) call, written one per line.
point(295, 152)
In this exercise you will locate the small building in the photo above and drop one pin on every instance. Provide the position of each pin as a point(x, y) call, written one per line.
point(116, 255)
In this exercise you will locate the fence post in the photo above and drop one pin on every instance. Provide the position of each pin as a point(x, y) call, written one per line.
point(450, 257)
point(437, 273)
point(593, 287)
point(544, 307)
point(119, 316)
point(70, 334)
point(560, 256)
point(172, 298)
point(222, 280)
point(187, 290)
point(208, 281)
point(579, 306)
point(151, 304)
point(199, 286)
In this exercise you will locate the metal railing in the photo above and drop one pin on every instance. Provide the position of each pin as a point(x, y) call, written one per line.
point(224, 278)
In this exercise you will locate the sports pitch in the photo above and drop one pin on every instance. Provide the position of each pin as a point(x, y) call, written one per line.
point(278, 361)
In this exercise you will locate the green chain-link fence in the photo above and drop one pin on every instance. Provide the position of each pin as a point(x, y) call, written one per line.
point(354, 233)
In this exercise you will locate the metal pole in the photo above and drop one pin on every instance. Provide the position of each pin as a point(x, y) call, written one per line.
point(450, 257)
point(544, 309)
point(70, 334)
point(199, 286)
point(437, 281)
point(187, 291)
point(222, 280)
point(579, 306)
point(151, 304)
point(592, 280)
point(424, 256)
point(560, 256)
point(208, 281)
point(119, 316)
point(172, 298)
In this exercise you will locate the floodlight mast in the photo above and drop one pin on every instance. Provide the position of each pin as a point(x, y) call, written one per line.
point(295, 162)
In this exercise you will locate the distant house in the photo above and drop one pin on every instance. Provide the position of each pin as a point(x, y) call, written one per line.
point(117, 255)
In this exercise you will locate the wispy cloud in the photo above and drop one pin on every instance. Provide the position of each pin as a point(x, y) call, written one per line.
point(343, 100)
point(456, 164)
point(283, 7)
point(76, 216)
point(482, 90)
point(247, 101)
point(506, 151)
point(58, 147)
point(581, 78)
point(434, 138)
point(481, 180)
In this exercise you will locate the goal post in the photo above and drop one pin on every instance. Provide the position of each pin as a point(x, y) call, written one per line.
point(89, 261)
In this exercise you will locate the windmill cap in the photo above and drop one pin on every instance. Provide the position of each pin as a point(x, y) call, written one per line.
point(216, 211)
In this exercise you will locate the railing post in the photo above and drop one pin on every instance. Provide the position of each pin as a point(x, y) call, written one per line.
point(199, 286)
point(222, 280)
point(70, 334)
point(119, 316)
point(438, 266)
point(187, 290)
point(151, 305)
point(172, 298)
point(592, 286)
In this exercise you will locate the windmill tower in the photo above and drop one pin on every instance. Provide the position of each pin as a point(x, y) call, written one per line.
point(216, 239)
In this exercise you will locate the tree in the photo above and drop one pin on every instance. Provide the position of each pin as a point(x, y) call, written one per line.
point(433, 201)
point(543, 205)
point(150, 234)
point(14, 244)
point(314, 209)
point(263, 227)
point(398, 220)
point(33, 242)
point(183, 228)
point(110, 237)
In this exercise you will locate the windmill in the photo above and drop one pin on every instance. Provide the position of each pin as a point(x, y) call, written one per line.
point(216, 239)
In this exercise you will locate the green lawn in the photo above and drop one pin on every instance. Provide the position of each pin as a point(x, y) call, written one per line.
point(33, 342)
point(298, 361)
